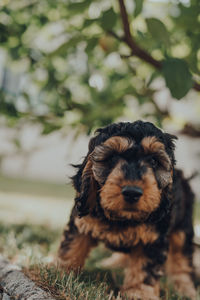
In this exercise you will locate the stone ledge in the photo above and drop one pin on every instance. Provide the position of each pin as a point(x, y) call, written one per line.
point(16, 285)
point(4, 297)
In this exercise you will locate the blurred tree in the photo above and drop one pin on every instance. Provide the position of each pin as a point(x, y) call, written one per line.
point(70, 62)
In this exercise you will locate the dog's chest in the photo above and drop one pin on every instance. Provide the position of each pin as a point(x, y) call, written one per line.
point(116, 236)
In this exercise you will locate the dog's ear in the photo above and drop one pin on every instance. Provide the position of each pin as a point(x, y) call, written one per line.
point(85, 184)
point(170, 146)
point(86, 200)
point(165, 175)
point(170, 139)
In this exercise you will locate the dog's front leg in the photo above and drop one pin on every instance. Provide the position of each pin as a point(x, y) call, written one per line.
point(179, 265)
point(74, 248)
point(142, 274)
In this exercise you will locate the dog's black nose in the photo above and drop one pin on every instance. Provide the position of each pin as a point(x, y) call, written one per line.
point(132, 193)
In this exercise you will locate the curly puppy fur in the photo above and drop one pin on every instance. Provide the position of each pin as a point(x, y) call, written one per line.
point(130, 196)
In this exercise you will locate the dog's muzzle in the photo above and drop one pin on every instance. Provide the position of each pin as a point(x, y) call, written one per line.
point(131, 193)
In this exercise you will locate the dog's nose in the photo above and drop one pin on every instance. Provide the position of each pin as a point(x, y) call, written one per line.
point(132, 193)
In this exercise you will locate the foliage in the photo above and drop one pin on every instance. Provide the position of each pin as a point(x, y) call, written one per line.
point(74, 70)
point(172, 68)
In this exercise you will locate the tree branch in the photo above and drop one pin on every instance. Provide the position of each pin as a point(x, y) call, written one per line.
point(136, 50)
point(196, 86)
point(191, 130)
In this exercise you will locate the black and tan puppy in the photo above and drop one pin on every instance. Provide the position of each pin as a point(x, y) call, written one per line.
point(130, 196)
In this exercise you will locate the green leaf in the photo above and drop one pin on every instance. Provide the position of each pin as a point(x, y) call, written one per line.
point(48, 128)
point(154, 75)
point(138, 7)
point(79, 6)
point(91, 44)
point(158, 30)
point(62, 49)
point(177, 77)
point(108, 19)
point(89, 22)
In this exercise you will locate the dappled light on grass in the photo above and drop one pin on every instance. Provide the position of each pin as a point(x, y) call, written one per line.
point(25, 244)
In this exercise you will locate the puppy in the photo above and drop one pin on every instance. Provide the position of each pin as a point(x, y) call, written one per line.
point(131, 197)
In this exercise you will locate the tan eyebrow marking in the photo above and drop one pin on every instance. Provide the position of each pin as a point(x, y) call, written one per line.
point(116, 143)
point(104, 151)
point(119, 144)
point(151, 144)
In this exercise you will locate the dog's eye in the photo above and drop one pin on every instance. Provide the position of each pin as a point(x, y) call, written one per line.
point(109, 161)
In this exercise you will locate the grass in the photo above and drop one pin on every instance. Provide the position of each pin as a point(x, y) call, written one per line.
point(32, 202)
point(23, 186)
point(71, 286)
point(33, 247)
point(33, 243)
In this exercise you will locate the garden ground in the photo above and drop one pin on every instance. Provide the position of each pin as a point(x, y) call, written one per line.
point(32, 216)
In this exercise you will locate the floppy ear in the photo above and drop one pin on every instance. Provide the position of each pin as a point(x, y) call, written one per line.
point(170, 138)
point(85, 184)
point(165, 175)
point(170, 143)
point(86, 200)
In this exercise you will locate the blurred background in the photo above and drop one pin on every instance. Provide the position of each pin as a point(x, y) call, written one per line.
point(69, 67)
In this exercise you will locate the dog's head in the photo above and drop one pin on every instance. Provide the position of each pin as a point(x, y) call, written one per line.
point(126, 170)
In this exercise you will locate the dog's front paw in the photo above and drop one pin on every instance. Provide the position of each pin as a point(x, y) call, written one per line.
point(144, 292)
